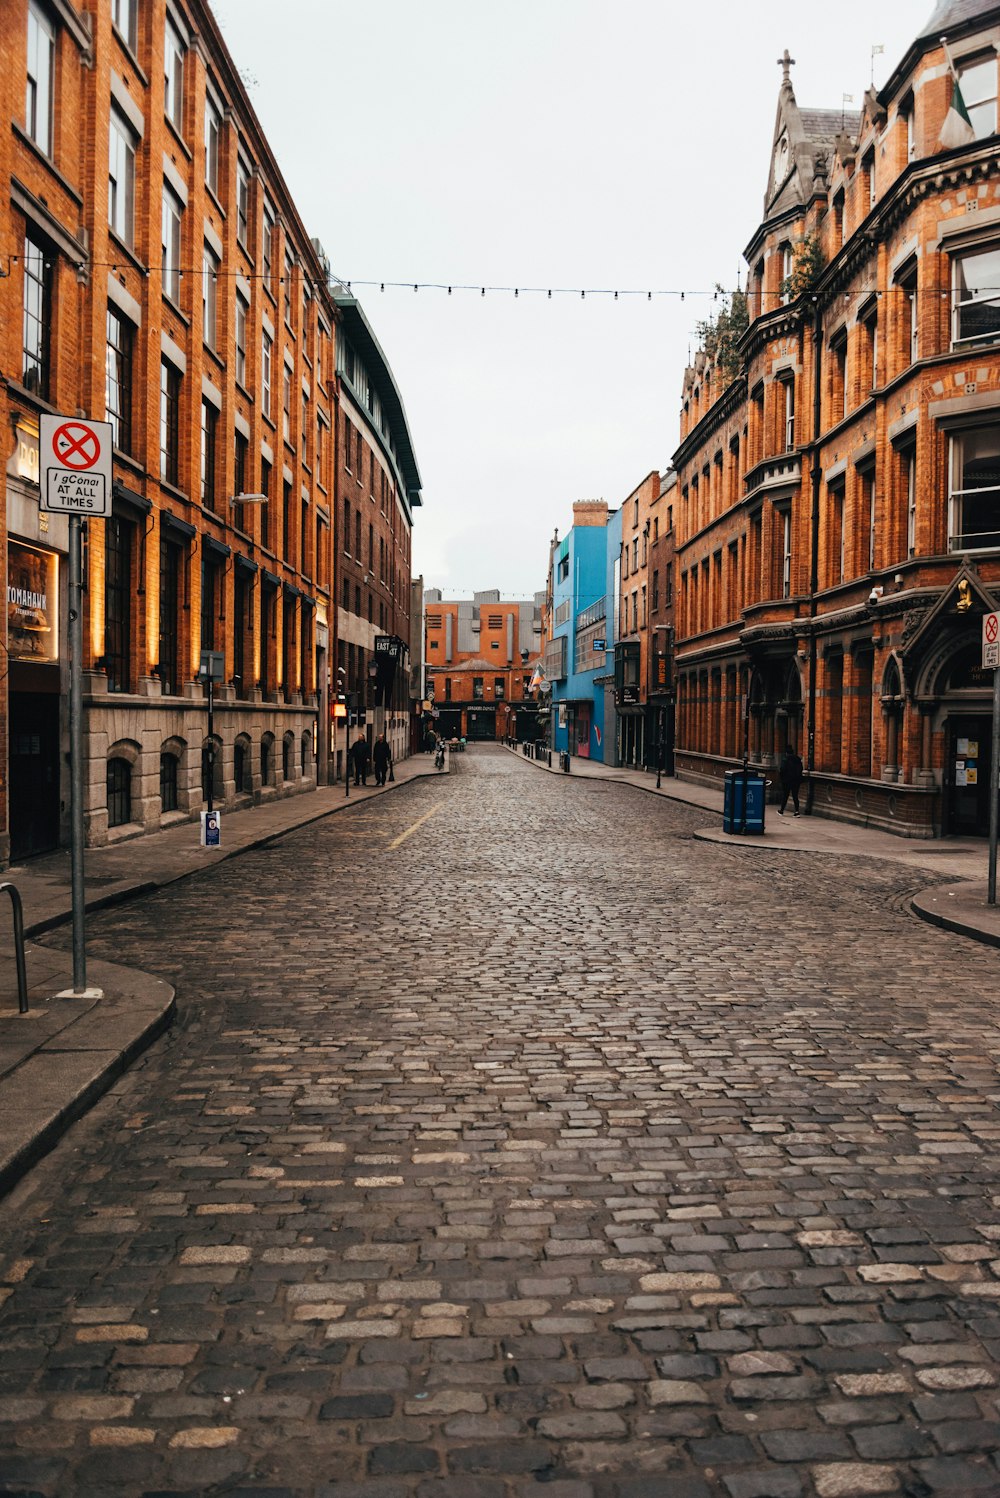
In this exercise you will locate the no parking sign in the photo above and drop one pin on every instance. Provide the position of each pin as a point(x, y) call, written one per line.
point(75, 463)
point(991, 641)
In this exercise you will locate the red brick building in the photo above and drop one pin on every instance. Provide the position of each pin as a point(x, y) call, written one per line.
point(838, 477)
point(480, 656)
point(157, 274)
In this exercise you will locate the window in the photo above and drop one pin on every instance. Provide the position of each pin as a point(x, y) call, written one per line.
point(121, 179)
point(41, 74)
point(787, 268)
point(974, 520)
point(37, 318)
point(173, 70)
point(837, 554)
point(241, 767)
point(498, 687)
point(168, 782)
point(209, 297)
point(838, 379)
point(907, 282)
point(286, 403)
point(213, 125)
point(171, 237)
point(477, 688)
point(868, 510)
point(170, 399)
point(642, 615)
point(119, 785)
point(242, 311)
point(267, 760)
point(868, 167)
point(656, 590)
point(304, 428)
point(240, 472)
point(123, 14)
point(265, 374)
point(286, 521)
point(838, 219)
point(789, 397)
point(979, 90)
point(170, 576)
point(910, 460)
point(117, 603)
point(447, 689)
point(562, 570)
point(209, 453)
point(286, 287)
point(241, 610)
point(265, 511)
point(976, 297)
point(869, 351)
point(635, 553)
point(209, 591)
point(118, 379)
point(242, 202)
point(786, 554)
point(267, 245)
point(347, 443)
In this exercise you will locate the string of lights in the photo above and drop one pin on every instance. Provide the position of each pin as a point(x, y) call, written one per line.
point(486, 289)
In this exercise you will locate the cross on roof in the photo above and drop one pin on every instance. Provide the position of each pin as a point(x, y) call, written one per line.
point(785, 63)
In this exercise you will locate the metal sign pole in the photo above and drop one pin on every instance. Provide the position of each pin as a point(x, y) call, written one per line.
point(994, 789)
point(76, 751)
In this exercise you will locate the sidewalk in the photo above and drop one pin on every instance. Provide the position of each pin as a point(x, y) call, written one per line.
point(957, 906)
point(60, 1057)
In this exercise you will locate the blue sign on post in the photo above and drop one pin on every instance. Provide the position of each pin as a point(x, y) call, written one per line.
point(211, 829)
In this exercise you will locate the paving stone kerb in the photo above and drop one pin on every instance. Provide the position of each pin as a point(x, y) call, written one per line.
point(546, 1179)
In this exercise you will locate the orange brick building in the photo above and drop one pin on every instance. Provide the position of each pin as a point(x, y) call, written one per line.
point(643, 634)
point(838, 477)
point(157, 275)
point(479, 656)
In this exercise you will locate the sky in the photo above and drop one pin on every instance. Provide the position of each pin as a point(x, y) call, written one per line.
point(539, 143)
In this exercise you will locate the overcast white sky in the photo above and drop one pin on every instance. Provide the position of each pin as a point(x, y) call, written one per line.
point(562, 143)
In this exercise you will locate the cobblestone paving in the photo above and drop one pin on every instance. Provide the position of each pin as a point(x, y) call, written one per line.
point(536, 1149)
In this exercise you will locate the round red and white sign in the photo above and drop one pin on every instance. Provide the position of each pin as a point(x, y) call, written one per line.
point(76, 445)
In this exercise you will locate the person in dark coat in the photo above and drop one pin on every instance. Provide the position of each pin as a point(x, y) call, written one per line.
point(360, 759)
point(382, 759)
point(790, 775)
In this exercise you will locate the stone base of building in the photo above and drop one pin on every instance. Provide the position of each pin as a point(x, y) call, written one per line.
point(146, 764)
point(905, 810)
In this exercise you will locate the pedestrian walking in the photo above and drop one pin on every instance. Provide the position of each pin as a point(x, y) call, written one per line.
point(360, 759)
point(382, 759)
point(790, 775)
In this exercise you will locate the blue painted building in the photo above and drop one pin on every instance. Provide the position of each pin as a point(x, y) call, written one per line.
point(577, 656)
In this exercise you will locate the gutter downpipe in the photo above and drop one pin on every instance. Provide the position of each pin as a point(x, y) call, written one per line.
point(816, 474)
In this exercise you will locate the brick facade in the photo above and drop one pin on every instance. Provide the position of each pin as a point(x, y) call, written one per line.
point(181, 297)
point(838, 521)
point(480, 656)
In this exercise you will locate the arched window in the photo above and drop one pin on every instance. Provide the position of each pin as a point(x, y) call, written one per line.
point(267, 759)
point(211, 766)
point(305, 753)
point(241, 765)
point(168, 782)
point(119, 792)
point(288, 757)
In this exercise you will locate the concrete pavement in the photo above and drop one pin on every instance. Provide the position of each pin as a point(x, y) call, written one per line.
point(56, 1060)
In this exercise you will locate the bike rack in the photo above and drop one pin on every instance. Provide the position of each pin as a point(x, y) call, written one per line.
point(22, 975)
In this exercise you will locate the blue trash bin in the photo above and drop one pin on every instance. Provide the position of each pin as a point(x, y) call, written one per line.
point(743, 800)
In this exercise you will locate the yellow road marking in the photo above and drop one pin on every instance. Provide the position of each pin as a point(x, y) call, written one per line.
point(419, 822)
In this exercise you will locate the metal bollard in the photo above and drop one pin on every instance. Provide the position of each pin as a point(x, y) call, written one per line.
point(22, 975)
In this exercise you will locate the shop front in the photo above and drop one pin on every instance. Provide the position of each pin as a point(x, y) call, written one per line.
point(34, 699)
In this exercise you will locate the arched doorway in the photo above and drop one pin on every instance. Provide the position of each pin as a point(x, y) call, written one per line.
point(964, 690)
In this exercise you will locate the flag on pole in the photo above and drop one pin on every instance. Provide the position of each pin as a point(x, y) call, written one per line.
point(957, 128)
point(538, 677)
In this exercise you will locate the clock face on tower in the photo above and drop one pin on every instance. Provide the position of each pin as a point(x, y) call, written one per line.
point(780, 170)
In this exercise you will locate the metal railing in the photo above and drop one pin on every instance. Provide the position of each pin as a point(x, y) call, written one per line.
point(22, 974)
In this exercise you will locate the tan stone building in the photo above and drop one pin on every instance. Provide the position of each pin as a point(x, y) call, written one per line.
point(838, 477)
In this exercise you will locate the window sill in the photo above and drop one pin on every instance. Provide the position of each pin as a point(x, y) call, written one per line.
point(214, 198)
point(49, 165)
point(178, 137)
point(173, 307)
point(129, 51)
point(170, 488)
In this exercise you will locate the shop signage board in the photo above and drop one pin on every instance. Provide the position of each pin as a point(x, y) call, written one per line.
point(75, 463)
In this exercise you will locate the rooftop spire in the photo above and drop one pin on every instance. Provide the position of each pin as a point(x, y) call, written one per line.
point(786, 63)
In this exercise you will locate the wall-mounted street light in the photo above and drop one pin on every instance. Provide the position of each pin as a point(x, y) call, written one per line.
point(248, 499)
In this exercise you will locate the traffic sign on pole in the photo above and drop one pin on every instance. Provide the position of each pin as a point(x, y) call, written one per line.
point(991, 641)
point(75, 464)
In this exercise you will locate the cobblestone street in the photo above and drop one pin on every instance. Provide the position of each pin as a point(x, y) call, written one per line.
point(512, 1142)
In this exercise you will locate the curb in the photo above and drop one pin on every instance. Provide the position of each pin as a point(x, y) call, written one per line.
point(920, 906)
point(39, 1140)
